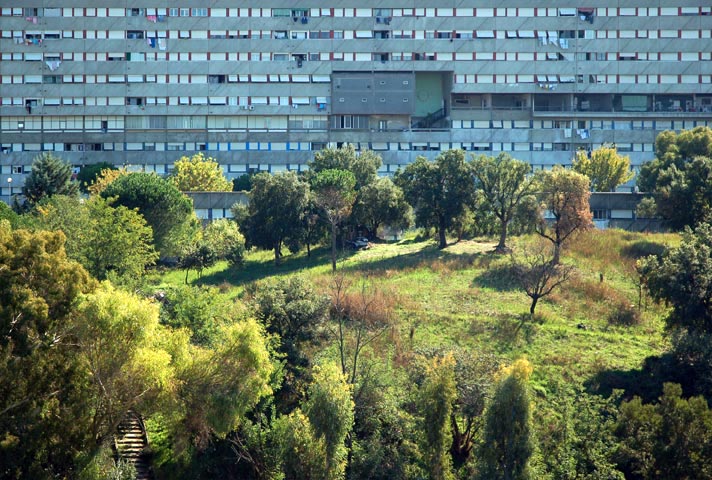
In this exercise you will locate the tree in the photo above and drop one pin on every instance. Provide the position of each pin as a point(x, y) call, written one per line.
point(673, 149)
point(104, 179)
point(503, 181)
point(681, 176)
point(301, 452)
point(89, 173)
point(382, 203)
point(668, 440)
point(605, 168)
point(682, 278)
point(685, 194)
point(199, 174)
point(293, 311)
point(201, 310)
point(436, 396)
point(358, 319)
point(106, 240)
point(474, 375)
point(197, 256)
point(334, 195)
point(49, 176)
point(275, 212)
point(538, 275)
point(7, 214)
point(564, 197)
point(647, 208)
point(226, 240)
point(439, 191)
point(167, 211)
point(364, 164)
point(243, 183)
point(116, 334)
point(43, 387)
point(507, 445)
point(216, 387)
point(330, 410)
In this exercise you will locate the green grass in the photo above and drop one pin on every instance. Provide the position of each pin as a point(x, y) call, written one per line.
point(465, 295)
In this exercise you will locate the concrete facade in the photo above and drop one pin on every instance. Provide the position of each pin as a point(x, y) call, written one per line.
point(260, 86)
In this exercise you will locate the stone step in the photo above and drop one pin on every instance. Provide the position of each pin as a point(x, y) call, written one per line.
point(131, 445)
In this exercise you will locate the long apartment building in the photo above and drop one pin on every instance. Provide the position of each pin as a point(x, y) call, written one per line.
point(260, 86)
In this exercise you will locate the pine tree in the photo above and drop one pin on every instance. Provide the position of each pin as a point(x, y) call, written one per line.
point(49, 176)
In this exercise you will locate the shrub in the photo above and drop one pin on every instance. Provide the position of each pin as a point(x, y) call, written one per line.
point(624, 314)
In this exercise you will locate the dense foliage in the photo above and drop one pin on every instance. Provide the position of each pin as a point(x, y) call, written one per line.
point(564, 197)
point(605, 168)
point(199, 174)
point(439, 191)
point(166, 210)
point(49, 176)
point(681, 176)
point(274, 217)
point(503, 182)
point(406, 365)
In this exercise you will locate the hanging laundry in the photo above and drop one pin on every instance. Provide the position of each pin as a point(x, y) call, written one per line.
point(53, 64)
point(161, 18)
point(161, 44)
point(152, 18)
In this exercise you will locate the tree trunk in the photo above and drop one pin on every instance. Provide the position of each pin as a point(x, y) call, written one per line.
point(533, 305)
point(308, 249)
point(557, 253)
point(277, 253)
point(442, 241)
point(502, 245)
point(186, 275)
point(333, 247)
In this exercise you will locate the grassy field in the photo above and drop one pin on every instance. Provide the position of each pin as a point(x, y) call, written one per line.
point(466, 296)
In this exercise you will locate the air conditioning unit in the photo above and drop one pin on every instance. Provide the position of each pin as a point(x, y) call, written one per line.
point(243, 107)
point(251, 107)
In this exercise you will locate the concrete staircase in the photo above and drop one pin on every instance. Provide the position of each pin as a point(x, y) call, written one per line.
point(132, 445)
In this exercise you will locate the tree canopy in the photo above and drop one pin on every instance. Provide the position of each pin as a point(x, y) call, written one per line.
point(504, 184)
point(42, 386)
point(199, 174)
point(364, 164)
point(681, 176)
point(564, 197)
point(334, 195)
point(105, 177)
point(436, 396)
point(382, 203)
point(89, 173)
point(50, 176)
point(605, 168)
point(674, 149)
point(274, 215)
point(106, 240)
point(682, 278)
point(508, 444)
point(668, 440)
point(439, 191)
point(165, 208)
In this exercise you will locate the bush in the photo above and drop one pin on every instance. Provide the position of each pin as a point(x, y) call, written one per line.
point(624, 314)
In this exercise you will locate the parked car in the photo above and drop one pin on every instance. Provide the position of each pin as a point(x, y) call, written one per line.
point(360, 243)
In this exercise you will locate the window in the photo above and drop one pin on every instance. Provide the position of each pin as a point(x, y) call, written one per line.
point(200, 12)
